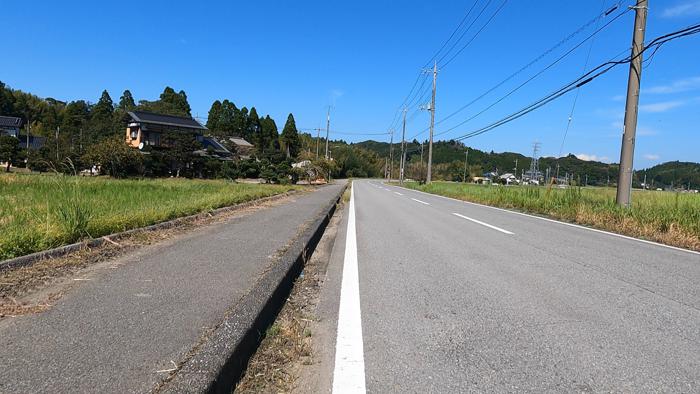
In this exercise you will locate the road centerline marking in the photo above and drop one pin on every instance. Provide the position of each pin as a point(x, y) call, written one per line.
point(483, 224)
point(398, 193)
point(349, 371)
point(422, 202)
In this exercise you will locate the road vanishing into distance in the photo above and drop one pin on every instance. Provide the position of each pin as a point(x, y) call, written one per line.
point(440, 295)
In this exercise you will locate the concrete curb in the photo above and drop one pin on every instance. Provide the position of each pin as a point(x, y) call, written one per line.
point(60, 251)
point(219, 363)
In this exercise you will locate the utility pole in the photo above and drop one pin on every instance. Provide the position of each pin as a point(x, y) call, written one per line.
point(466, 157)
point(624, 183)
point(318, 139)
point(328, 128)
point(645, 181)
point(403, 148)
point(428, 177)
point(421, 161)
point(391, 153)
point(516, 167)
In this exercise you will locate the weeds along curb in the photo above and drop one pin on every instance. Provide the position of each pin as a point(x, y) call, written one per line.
point(219, 363)
point(24, 261)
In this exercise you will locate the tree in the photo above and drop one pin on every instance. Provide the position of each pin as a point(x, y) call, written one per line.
point(180, 150)
point(10, 151)
point(101, 119)
point(290, 137)
point(114, 158)
point(170, 103)
point(75, 121)
point(254, 129)
point(269, 130)
point(214, 118)
point(126, 101)
point(7, 100)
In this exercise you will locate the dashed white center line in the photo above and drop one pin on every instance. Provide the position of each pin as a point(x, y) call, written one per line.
point(349, 372)
point(398, 193)
point(422, 202)
point(483, 224)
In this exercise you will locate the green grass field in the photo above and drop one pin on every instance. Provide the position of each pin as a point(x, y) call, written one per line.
point(666, 217)
point(38, 212)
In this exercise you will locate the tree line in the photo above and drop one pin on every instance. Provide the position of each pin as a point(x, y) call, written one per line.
point(78, 135)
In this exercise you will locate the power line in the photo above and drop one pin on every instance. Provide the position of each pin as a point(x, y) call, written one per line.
point(454, 44)
point(452, 35)
point(550, 65)
point(583, 80)
point(578, 91)
point(476, 35)
point(531, 63)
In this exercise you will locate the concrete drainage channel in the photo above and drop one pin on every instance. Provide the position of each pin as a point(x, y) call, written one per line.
point(218, 364)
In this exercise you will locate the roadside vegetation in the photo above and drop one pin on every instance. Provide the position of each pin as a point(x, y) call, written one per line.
point(38, 212)
point(666, 217)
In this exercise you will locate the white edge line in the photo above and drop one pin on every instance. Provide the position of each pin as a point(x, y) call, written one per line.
point(564, 223)
point(349, 371)
point(483, 224)
point(422, 202)
point(399, 193)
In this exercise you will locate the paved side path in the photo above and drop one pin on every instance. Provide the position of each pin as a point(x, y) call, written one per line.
point(114, 332)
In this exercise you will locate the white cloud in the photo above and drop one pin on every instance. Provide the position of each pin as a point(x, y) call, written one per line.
point(660, 107)
point(644, 131)
point(651, 156)
point(681, 85)
point(619, 97)
point(587, 157)
point(687, 8)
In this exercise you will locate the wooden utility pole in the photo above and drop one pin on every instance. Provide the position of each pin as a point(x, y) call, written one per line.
point(391, 153)
point(624, 183)
point(432, 127)
point(466, 157)
point(403, 148)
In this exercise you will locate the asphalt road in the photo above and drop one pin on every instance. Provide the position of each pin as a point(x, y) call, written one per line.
point(458, 297)
point(121, 328)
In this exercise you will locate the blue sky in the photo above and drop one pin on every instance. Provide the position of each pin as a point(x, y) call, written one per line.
point(363, 57)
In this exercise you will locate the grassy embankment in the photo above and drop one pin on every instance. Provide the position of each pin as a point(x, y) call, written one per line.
point(40, 212)
point(665, 217)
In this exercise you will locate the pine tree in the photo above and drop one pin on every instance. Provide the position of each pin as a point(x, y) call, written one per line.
point(290, 137)
point(254, 130)
point(269, 129)
point(214, 118)
point(101, 119)
point(126, 101)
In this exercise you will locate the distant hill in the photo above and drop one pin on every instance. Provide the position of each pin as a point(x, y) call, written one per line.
point(448, 159)
point(675, 174)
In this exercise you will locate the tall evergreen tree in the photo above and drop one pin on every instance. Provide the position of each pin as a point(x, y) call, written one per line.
point(269, 129)
point(214, 118)
point(290, 137)
point(254, 129)
point(240, 123)
point(101, 119)
point(126, 101)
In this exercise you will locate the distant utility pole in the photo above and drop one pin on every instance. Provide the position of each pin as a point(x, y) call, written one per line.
point(466, 157)
point(328, 128)
point(318, 139)
point(428, 177)
point(421, 160)
point(624, 183)
point(403, 148)
point(534, 164)
point(516, 167)
point(391, 153)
